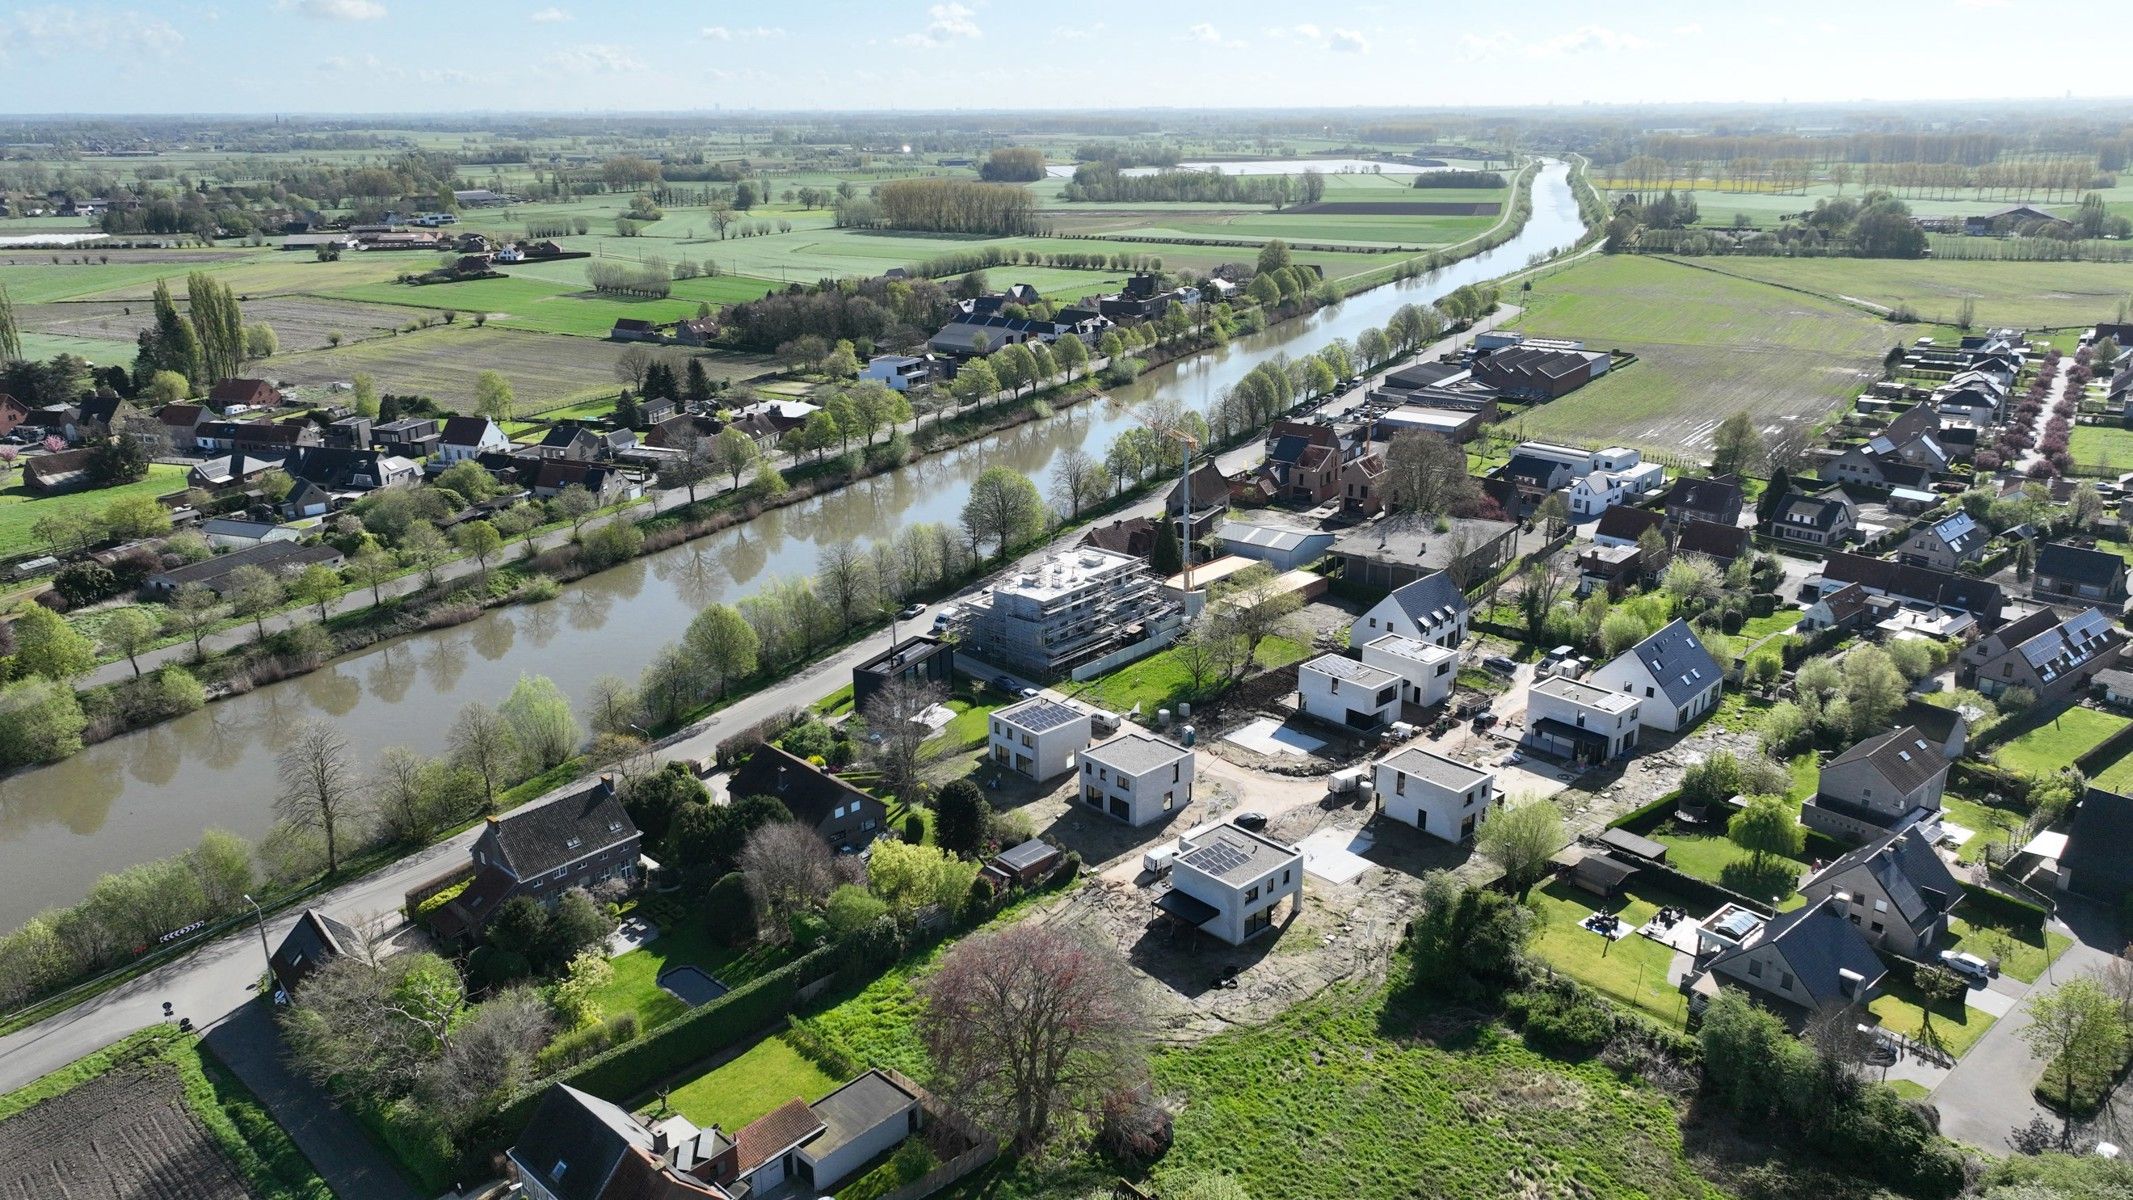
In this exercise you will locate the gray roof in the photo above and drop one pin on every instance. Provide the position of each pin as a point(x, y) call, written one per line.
point(1135, 753)
point(1026, 855)
point(1678, 662)
point(1905, 757)
point(1818, 943)
point(2095, 862)
point(538, 839)
point(1342, 667)
point(1235, 855)
point(1430, 600)
point(1435, 768)
point(856, 1109)
point(1907, 867)
point(2062, 560)
point(1813, 512)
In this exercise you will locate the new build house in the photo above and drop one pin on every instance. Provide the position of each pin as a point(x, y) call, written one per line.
point(1343, 691)
point(1887, 782)
point(1580, 722)
point(1427, 672)
point(1895, 889)
point(1670, 671)
point(1228, 881)
point(1037, 738)
point(1439, 796)
point(1136, 777)
point(1078, 606)
point(1432, 609)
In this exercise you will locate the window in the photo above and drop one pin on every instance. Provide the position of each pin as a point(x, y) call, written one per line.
point(1881, 906)
point(837, 812)
point(573, 843)
point(1169, 799)
point(1251, 895)
point(1284, 877)
point(867, 824)
point(1399, 783)
point(1785, 981)
point(1755, 968)
point(1877, 927)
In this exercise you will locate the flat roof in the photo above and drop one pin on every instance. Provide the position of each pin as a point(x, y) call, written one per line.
point(1039, 715)
point(1577, 691)
point(1235, 854)
point(1436, 768)
point(1135, 752)
point(1415, 648)
point(1341, 667)
point(856, 1108)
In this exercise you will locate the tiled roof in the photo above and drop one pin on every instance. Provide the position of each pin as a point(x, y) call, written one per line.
point(2081, 564)
point(1677, 661)
point(1430, 600)
point(788, 1125)
point(540, 838)
point(1819, 944)
point(1906, 757)
point(1908, 868)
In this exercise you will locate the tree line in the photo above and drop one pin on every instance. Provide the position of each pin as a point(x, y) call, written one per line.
point(1460, 179)
point(944, 206)
point(1013, 164)
point(1107, 182)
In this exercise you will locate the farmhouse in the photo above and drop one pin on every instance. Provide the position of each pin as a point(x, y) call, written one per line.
point(1581, 723)
point(1671, 672)
point(1888, 782)
point(1440, 796)
point(1136, 777)
point(1343, 691)
point(1228, 881)
point(1429, 609)
point(1037, 738)
point(2055, 658)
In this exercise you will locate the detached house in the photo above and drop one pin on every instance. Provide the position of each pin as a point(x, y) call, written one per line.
point(1715, 500)
point(1945, 544)
point(1895, 889)
point(1037, 738)
point(1440, 796)
point(543, 851)
point(1820, 521)
point(1720, 543)
point(2095, 863)
point(2054, 658)
point(1136, 777)
point(1581, 723)
point(470, 437)
point(1670, 671)
point(1888, 782)
point(1427, 672)
point(1431, 609)
point(1811, 958)
point(2080, 575)
point(846, 817)
point(1342, 691)
point(1228, 881)
point(1624, 526)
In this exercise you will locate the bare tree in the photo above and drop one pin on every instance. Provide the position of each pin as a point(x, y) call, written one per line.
point(1078, 479)
point(1032, 1023)
point(1425, 475)
point(480, 741)
point(319, 789)
point(1252, 606)
point(902, 746)
point(631, 366)
point(487, 1058)
point(788, 869)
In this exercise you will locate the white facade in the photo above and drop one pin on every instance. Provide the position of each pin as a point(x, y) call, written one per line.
point(1136, 778)
point(1606, 487)
point(901, 372)
point(1671, 674)
point(1431, 609)
point(1580, 721)
point(1427, 673)
point(1037, 738)
point(492, 438)
point(1340, 690)
point(1579, 461)
point(1241, 875)
point(1440, 796)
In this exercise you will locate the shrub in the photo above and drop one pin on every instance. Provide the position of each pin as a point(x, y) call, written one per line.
point(1563, 1019)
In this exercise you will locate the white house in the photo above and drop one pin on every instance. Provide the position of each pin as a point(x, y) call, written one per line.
point(1579, 721)
point(1437, 795)
point(1426, 672)
point(470, 437)
point(1618, 475)
point(1580, 462)
point(1136, 777)
point(1339, 689)
point(1670, 671)
point(1037, 738)
point(1430, 609)
point(901, 372)
point(1227, 881)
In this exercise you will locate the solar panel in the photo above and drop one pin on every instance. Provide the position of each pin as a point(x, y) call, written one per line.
point(1043, 717)
point(1217, 858)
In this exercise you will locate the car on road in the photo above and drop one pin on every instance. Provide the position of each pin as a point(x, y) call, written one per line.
point(1004, 684)
point(1967, 965)
point(1501, 664)
point(912, 611)
point(1254, 821)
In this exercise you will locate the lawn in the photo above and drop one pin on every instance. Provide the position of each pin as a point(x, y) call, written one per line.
point(1340, 1097)
point(1976, 816)
point(969, 729)
point(551, 307)
point(20, 508)
point(766, 1075)
point(1758, 628)
point(2023, 948)
point(635, 987)
point(1900, 1008)
point(1161, 681)
point(1708, 345)
point(1714, 857)
point(2101, 450)
point(2055, 745)
point(2023, 294)
point(1631, 970)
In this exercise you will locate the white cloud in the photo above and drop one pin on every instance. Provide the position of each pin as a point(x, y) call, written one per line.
point(1348, 41)
point(1344, 41)
point(720, 33)
point(1207, 34)
point(342, 10)
point(597, 58)
point(54, 30)
point(549, 16)
point(949, 22)
point(1587, 40)
point(1692, 29)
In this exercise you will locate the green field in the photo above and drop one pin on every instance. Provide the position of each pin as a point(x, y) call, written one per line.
point(1708, 345)
point(2105, 451)
point(2024, 294)
point(2054, 745)
point(20, 508)
point(764, 1076)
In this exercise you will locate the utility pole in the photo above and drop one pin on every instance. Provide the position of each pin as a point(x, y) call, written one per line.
point(261, 918)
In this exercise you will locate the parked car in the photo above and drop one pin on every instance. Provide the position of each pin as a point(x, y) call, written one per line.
point(1254, 821)
point(1501, 664)
point(1008, 686)
point(1968, 965)
point(912, 611)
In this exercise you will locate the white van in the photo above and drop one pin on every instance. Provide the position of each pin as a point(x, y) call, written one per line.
point(1158, 860)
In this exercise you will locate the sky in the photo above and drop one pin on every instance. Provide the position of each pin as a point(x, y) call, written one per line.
point(421, 56)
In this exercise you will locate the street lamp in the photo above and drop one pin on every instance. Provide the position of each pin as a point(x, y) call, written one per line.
point(261, 918)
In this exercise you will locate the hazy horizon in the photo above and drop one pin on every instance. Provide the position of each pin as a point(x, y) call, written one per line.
point(537, 58)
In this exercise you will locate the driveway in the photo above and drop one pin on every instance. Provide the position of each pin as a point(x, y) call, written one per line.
point(1986, 1097)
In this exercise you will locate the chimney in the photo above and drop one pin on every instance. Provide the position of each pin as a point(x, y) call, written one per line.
point(659, 1141)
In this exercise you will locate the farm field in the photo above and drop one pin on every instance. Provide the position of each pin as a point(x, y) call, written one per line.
point(1708, 345)
point(300, 322)
point(1715, 207)
point(444, 361)
point(2101, 450)
point(534, 304)
point(21, 509)
point(2024, 294)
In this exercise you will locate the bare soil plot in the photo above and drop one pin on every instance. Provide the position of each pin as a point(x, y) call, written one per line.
point(1398, 208)
point(300, 322)
point(123, 1136)
point(442, 362)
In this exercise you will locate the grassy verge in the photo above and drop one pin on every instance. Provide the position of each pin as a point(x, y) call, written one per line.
point(1902, 1009)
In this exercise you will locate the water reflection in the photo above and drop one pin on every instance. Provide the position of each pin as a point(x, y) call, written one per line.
point(150, 794)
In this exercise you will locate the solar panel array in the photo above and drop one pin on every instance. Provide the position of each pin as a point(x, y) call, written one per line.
point(1218, 858)
point(1042, 716)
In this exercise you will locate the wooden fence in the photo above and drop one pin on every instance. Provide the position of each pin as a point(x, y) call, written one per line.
point(982, 1149)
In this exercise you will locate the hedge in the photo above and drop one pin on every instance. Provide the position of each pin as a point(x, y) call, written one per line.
point(1664, 804)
